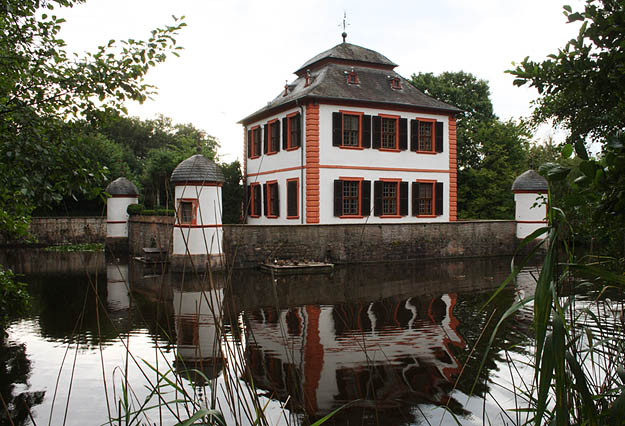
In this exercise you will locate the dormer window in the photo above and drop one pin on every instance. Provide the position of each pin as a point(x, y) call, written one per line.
point(352, 77)
point(395, 83)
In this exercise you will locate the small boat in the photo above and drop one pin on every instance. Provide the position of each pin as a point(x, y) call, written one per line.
point(294, 267)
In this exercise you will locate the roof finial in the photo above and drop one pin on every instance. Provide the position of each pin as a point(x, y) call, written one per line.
point(345, 24)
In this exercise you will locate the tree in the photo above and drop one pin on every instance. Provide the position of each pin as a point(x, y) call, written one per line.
point(43, 89)
point(232, 194)
point(582, 88)
point(491, 153)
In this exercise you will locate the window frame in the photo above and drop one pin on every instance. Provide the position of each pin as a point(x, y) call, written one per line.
point(252, 200)
point(194, 207)
point(288, 199)
point(270, 199)
point(396, 83)
point(359, 137)
point(271, 125)
point(432, 213)
point(352, 78)
point(256, 130)
point(293, 117)
point(359, 215)
point(397, 200)
point(432, 149)
point(396, 118)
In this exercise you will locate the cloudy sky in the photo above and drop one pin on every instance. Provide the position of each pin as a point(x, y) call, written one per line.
point(239, 53)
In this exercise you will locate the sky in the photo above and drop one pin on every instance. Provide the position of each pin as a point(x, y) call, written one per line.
point(238, 54)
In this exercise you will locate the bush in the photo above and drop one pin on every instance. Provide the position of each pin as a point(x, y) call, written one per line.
point(165, 212)
point(14, 299)
point(135, 209)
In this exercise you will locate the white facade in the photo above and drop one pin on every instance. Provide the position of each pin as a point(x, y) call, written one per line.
point(117, 216)
point(530, 212)
point(335, 163)
point(202, 232)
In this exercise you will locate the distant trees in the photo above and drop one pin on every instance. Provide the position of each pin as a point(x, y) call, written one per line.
point(44, 89)
point(491, 152)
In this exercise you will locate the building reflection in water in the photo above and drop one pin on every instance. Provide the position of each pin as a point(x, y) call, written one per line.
point(117, 288)
point(198, 319)
point(382, 354)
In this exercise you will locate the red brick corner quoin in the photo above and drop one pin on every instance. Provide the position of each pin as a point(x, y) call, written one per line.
point(453, 171)
point(312, 163)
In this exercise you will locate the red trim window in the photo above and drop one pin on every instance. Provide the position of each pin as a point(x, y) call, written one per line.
point(427, 198)
point(390, 198)
point(352, 77)
point(389, 131)
point(351, 130)
point(426, 136)
point(187, 211)
point(352, 197)
point(272, 200)
point(274, 136)
point(292, 198)
point(254, 200)
point(395, 83)
point(255, 142)
point(293, 131)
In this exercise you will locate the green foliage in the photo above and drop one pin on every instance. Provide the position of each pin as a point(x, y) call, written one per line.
point(135, 209)
point(43, 88)
point(491, 153)
point(582, 88)
point(14, 299)
point(232, 192)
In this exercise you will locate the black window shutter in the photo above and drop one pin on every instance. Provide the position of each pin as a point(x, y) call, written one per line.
point(403, 134)
point(337, 129)
point(291, 197)
point(276, 204)
point(377, 197)
point(277, 124)
point(366, 131)
point(285, 134)
point(414, 135)
point(403, 198)
point(257, 200)
point(265, 138)
point(249, 200)
point(438, 134)
point(438, 203)
point(415, 198)
point(299, 129)
point(265, 199)
point(249, 143)
point(338, 198)
point(375, 143)
point(365, 198)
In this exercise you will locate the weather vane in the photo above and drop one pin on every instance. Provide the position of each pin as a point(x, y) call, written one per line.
point(345, 25)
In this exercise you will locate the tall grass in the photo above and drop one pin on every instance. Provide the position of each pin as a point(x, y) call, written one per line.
point(579, 354)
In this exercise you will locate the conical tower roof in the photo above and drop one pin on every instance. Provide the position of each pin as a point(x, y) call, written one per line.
point(122, 186)
point(530, 181)
point(197, 168)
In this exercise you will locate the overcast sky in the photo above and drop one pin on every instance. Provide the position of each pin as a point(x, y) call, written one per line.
point(239, 53)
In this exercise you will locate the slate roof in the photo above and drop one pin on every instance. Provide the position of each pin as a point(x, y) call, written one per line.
point(530, 181)
point(197, 168)
point(348, 52)
point(122, 186)
point(329, 82)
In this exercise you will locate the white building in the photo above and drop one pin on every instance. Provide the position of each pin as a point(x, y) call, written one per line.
point(530, 199)
point(198, 234)
point(350, 141)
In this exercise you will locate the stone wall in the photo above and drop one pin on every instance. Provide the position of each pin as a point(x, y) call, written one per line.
point(67, 230)
point(150, 231)
point(248, 245)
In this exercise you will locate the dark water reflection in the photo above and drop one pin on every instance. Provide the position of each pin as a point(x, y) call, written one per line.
point(393, 342)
